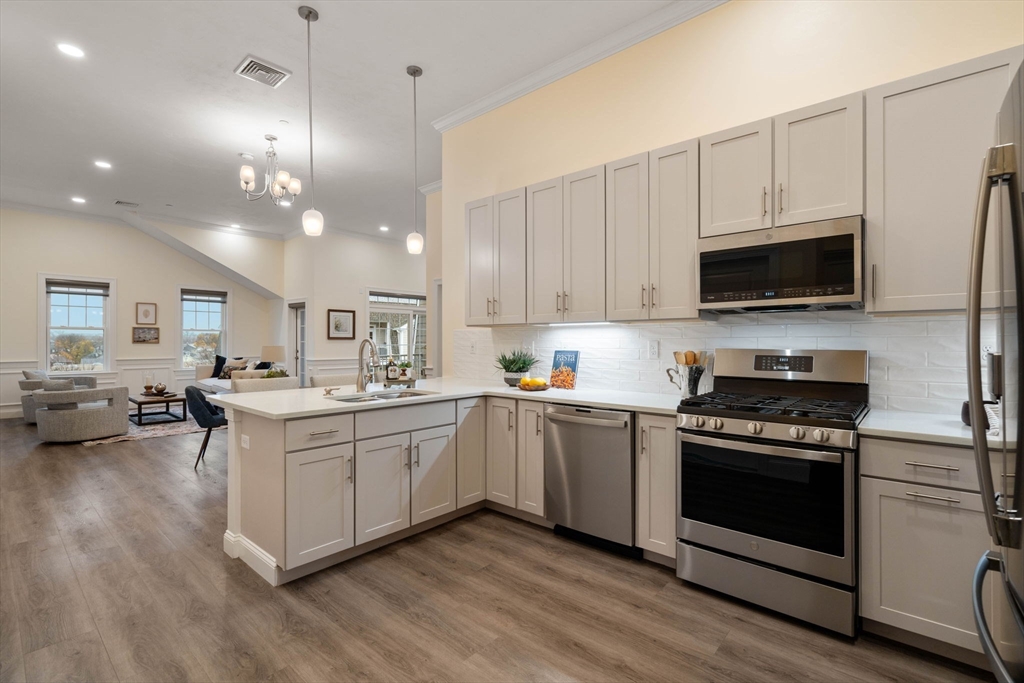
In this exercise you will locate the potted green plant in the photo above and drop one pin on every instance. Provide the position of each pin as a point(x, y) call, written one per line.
point(516, 365)
point(275, 372)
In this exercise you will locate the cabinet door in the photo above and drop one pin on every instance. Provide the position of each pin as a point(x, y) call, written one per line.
point(471, 450)
point(530, 458)
point(736, 180)
point(433, 473)
point(675, 227)
point(501, 451)
point(544, 252)
point(583, 246)
point(819, 161)
point(509, 306)
point(656, 484)
point(627, 276)
point(479, 261)
point(319, 507)
point(918, 556)
point(382, 486)
point(926, 137)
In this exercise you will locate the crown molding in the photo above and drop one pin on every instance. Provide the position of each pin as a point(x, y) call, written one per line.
point(637, 32)
point(63, 213)
point(431, 188)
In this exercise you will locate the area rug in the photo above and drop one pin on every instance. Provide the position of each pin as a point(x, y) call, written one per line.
point(154, 430)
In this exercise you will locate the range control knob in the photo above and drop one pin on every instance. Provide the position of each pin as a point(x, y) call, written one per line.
point(755, 428)
point(797, 432)
point(696, 421)
point(820, 435)
point(715, 423)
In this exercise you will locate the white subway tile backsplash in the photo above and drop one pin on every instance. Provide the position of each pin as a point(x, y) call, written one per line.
point(915, 363)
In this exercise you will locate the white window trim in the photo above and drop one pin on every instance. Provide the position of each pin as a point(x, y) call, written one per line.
point(397, 308)
point(228, 318)
point(110, 329)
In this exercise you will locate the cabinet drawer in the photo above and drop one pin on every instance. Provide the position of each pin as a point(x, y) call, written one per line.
point(374, 423)
point(919, 463)
point(313, 432)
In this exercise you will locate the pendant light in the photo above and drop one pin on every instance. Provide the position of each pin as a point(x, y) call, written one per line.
point(414, 242)
point(312, 220)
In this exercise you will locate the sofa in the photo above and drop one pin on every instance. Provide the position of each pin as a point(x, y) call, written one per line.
point(81, 414)
point(207, 382)
point(35, 383)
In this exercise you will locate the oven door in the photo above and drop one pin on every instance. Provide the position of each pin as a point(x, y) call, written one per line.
point(787, 507)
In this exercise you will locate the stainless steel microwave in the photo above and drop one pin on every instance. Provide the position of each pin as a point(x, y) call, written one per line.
point(814, 266)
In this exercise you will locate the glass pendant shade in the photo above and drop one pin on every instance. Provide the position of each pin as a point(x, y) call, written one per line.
point(295, 186)
point(276, 190)
point(248, 187)
point(283, 178)
point(247, 174)
point(312, 222)
point(414, 243)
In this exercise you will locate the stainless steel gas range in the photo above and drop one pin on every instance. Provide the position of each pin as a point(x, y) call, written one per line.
point(766, 491)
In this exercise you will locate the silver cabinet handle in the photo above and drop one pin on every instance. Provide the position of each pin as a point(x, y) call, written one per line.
point(643, 438)
point(408, 458)
point(324, 431)
point(780, 199)
point(944, 499)
point(565, 302)
point(488, 307)
point(595, 421)
point(510, 420)
point(495, 307)
point(643, 296)
point(764, 201)
point(351, 470)
point(417, 455)
point(873, 268)
point(558, 302)
point(538, 423)
point(934, 467)
point(652, 296)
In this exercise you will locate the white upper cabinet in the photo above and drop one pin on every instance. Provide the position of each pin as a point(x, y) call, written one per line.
point(819, 161)
point(583, 246)
point(434, 478)
point(530, 458)
point(926, 138)
point(509, 305)
point(628, 294)
point(479, 261)
point(674, 228)
point(736, 180)
point(544, 257)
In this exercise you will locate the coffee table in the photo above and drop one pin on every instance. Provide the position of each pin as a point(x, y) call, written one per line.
point(164, 416)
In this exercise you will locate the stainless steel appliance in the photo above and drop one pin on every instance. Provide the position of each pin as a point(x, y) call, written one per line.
point(766, 489)
point(814, 266)
point(588, 471)
point(1000, 218)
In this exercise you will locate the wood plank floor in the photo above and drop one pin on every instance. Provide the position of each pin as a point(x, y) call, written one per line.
point(112, 569)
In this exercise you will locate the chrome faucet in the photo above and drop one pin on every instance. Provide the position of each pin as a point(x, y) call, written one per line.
point(364, 371)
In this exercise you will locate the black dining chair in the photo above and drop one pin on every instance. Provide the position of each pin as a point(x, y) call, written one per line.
point(206, 415)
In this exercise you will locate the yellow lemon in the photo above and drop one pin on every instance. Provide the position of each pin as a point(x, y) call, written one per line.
point(538, 382)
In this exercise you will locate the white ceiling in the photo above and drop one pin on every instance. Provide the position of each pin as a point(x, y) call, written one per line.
point(156, 96)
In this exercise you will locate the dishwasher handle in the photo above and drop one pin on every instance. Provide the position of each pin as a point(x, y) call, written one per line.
point(593, 421)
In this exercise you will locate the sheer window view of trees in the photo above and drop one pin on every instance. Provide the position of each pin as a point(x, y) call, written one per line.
point(202, 332)
point(76, 332)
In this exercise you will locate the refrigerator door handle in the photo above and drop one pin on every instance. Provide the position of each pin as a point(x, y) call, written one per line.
point(990, 562)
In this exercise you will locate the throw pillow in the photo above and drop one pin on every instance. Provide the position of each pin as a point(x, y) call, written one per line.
point(59, 385)
point(251, 365)
point(35, 374)
point(218, 366)
point(263, 365)
point(228, 369)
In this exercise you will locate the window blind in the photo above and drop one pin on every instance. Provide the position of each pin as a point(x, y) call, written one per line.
point(77, 287)
point(203, 295)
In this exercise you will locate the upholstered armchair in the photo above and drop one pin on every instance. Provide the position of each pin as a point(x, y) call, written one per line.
point(81, 414)
point(28, 401)
point(244, 386)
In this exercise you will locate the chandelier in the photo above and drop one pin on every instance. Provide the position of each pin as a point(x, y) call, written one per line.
point(282, 186)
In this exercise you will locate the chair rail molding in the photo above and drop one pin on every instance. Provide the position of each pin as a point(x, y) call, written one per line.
point(628, 36)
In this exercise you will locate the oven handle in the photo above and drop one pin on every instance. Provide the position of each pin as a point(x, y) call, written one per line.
point(764, 449)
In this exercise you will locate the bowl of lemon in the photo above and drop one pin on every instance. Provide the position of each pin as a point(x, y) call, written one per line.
point(533, 384)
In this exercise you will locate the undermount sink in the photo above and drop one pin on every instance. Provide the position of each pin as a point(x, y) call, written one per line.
point(381, 396)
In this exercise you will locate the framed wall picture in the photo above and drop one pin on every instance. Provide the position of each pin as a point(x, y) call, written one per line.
point(145, 314)
point(341, 324)
point(145, 335)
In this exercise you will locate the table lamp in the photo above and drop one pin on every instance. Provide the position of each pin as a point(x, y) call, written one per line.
point(273, 354)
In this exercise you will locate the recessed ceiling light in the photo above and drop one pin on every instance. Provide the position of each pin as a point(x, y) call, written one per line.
point(383, 228)
point(78, 200)
point(235, 225)
point(71, 50)
point(246, 156)
point(103, 164)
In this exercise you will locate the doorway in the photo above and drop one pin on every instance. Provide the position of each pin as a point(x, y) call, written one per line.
point(297, 319)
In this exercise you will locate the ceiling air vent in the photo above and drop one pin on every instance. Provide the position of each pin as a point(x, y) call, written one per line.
point(127, 205)
point(262, 71)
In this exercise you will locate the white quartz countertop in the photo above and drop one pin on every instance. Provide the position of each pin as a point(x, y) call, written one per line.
point(923, 427)
point(297, 403)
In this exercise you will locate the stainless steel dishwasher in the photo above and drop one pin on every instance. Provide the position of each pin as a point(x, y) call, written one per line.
point(588, 471)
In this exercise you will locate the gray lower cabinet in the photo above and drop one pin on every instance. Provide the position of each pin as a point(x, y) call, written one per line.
point(434, 473)
point(501, 451)
point(471, 450)
point(320, 507)
point(383, 486)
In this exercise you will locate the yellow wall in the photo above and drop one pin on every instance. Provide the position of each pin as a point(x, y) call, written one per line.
point(432, 251)
point(743, 61)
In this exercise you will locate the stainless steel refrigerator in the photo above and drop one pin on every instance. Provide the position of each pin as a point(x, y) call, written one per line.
point(1000, 219)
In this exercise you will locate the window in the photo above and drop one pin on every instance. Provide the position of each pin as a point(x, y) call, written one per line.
point(76, 332)
point(398, 326)
point(203, 319)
